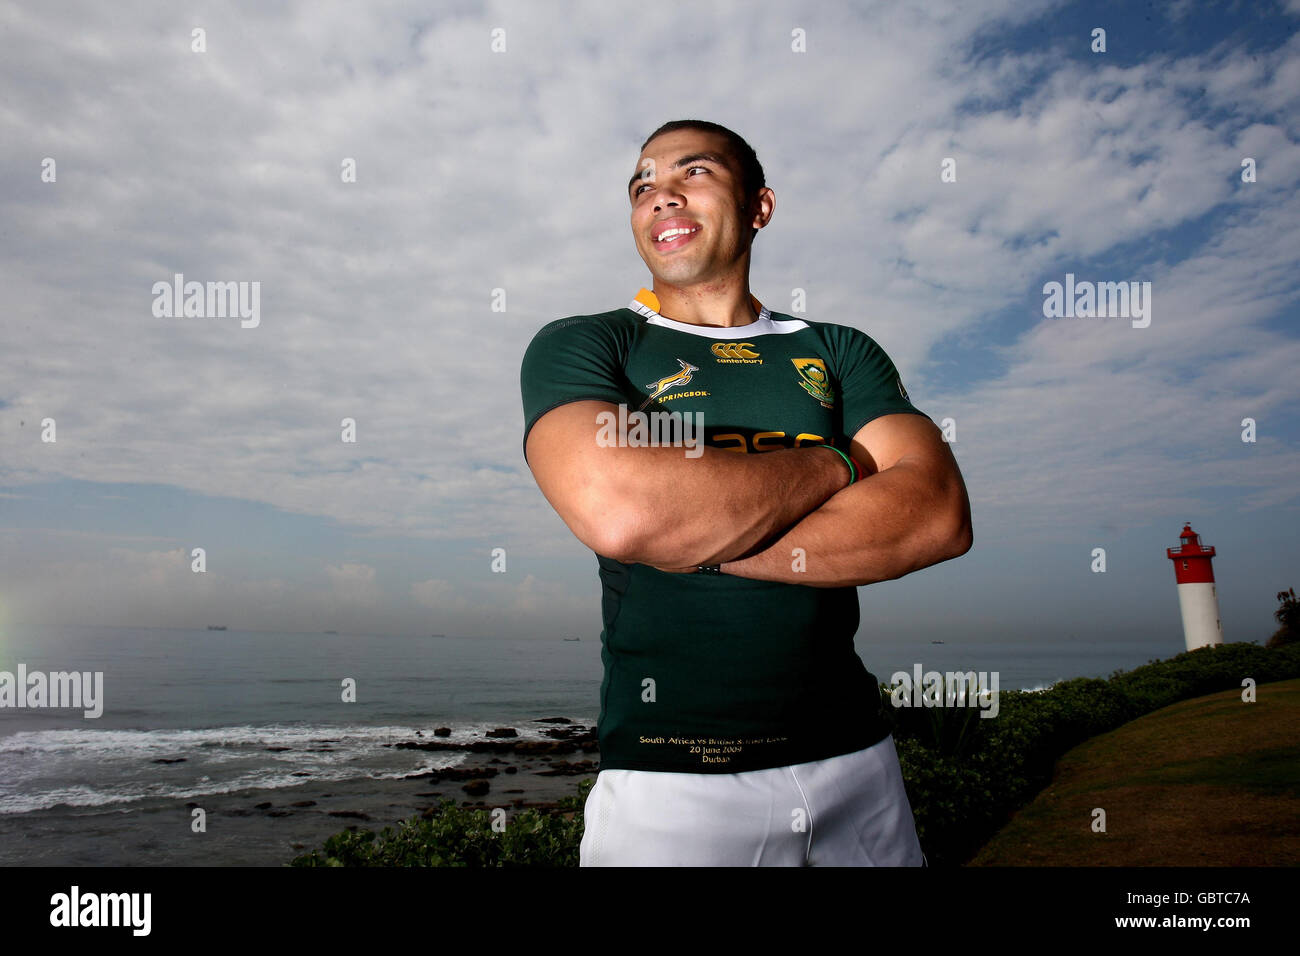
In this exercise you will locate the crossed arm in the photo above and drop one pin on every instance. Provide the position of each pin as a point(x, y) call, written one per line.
point(750, 513)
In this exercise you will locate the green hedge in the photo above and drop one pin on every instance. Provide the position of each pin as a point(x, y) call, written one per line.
point(463, 836)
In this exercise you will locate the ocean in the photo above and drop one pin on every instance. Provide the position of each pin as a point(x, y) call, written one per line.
point(231, 720)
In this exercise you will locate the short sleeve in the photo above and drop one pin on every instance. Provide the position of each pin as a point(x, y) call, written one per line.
point(570, 360)
point(870, 385)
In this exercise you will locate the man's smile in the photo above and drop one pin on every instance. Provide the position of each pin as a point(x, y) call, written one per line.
point(674, 233)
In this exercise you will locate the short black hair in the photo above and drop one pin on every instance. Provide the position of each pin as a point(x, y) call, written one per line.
point(751, 170)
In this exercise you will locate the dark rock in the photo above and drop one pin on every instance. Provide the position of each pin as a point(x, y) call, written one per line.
point(263, 806)
point(278, 813)
point(564, 768)
point(303, 803)
point(453, 773)
point(476, 788)
point(577, 733)
point(425, 745)
point(552, 720)
point(512, 769)
point(543, 747)
point(278, 750)
point(171, 760)
point(563, 741)
point(442, 731)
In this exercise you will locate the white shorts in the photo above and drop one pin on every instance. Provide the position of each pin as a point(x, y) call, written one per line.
point(849, 810)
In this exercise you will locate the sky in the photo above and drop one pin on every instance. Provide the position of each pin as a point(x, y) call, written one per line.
point(490, 146)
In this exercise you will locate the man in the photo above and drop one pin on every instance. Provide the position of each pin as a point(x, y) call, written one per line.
point(737, 724)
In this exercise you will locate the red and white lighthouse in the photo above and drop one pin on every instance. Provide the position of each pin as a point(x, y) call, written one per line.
point(1197, 597)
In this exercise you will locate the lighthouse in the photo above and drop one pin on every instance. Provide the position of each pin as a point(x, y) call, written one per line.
point(1197, 597)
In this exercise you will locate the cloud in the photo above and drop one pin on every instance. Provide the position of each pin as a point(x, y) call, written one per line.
point(479, 171)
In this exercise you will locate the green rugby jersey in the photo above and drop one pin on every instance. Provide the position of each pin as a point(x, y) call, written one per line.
point(722, 674)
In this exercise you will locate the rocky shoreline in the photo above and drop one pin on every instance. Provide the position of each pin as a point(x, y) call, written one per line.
point(532, 765)
point(514, 758)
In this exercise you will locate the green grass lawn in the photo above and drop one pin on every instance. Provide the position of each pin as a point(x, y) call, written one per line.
point(1205, 782)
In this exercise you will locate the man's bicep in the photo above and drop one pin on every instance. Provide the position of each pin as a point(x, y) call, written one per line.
point(884, 441)
point(914, 441)
point(564, 454)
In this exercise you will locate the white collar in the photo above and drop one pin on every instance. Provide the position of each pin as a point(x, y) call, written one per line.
point(646, 303)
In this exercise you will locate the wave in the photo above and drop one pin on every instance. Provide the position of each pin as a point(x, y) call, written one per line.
point(125, 744)
point(88, 797)
point(90, 768)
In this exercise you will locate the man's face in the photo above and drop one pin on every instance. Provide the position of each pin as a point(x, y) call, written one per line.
point(689, 180)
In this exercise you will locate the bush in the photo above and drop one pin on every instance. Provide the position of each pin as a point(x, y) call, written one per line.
point(463, 836)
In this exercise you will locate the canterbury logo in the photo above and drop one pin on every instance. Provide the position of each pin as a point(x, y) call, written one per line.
point(734, 350)
point(669, 382)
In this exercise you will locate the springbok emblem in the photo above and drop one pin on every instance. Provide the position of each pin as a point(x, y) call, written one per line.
point(669, 382)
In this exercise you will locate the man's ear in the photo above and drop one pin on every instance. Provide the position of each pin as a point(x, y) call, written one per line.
point(755, 206)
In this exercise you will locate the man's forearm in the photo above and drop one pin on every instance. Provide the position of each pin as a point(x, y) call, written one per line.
point(678, 511)
point(890, 524)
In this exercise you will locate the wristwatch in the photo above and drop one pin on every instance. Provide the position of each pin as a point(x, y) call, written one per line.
point(708, 569)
